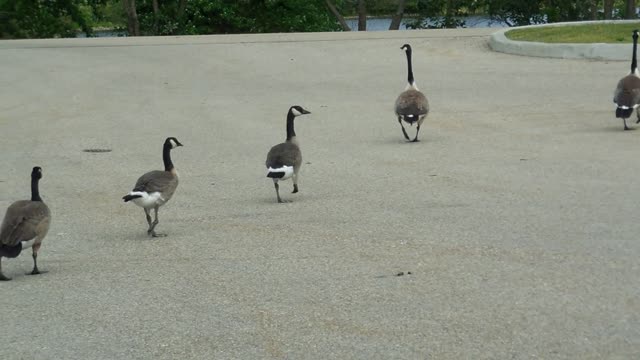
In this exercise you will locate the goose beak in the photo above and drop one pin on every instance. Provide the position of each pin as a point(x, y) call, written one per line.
point(306, 111)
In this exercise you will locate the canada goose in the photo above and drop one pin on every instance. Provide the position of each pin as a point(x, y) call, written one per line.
point(25, 225)
point(411, 106)
point(627, 94)
point(155, 188)
point(284, 160)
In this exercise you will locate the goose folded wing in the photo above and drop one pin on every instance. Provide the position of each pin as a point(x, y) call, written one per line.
point(22, 222)
point(285, 154)
point(154, 181)
point(627, 92)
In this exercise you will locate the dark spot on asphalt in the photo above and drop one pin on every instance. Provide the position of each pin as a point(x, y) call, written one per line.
point(400, 273)
point(97, 150)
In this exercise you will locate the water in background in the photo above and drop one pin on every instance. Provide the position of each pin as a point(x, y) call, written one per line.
point(382, 24)
point(373, 24)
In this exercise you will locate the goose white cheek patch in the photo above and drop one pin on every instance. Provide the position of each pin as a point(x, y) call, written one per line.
point(173, 144)
point(296, 112)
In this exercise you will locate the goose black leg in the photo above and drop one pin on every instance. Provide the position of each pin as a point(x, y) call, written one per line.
point(295, 183)
point(153, 225)
point(406, 136)
point(35, 270)
point(2, 277)
point(625, 124)
point(278, 191)
point(415, 139)
point(146, 212)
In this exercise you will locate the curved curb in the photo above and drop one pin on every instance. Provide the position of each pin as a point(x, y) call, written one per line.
point(598, 51)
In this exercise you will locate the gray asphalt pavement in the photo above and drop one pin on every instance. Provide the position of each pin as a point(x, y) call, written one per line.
point(516, 214)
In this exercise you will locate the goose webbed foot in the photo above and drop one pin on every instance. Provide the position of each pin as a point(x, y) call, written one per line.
point(625, 124)
point(4, 278)
point(156, 235)
point(295, 188)
point(35, 271)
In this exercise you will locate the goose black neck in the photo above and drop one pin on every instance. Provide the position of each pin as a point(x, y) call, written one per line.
point(291, 133)
point(634, 61)
point(35, 193)
point(410, 69)
point(166, 157)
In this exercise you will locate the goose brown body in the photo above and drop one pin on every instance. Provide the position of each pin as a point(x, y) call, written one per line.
point(25, 224)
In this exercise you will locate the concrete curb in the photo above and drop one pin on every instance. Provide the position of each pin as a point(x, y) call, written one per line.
point(500, 43)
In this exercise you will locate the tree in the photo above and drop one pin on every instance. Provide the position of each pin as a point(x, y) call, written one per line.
point(338, 16)
point(41, 19)
point(362, 15)
point(397, 16)
point(608, 9)
point(133, 24)
point(178, 17)
point(630, 12)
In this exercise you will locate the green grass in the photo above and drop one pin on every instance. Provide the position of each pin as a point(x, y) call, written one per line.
point(591, 33)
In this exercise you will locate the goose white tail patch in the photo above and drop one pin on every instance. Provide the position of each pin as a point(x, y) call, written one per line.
point(28, 244)
point(147, 200)
point(288, 171)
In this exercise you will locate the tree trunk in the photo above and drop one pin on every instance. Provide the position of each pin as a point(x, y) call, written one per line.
point(334, 11)
point(396, 20)
point(449, 15)
point(362, 15)
point(182, 5)
point(156, 14)
point(608, 9)
point(133, 25)
point(631, 9)
point(593, 9)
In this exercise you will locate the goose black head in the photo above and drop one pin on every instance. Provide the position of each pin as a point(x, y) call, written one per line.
point(407, 48)
point(172, 142)
point(297, 110)
point(36, 173)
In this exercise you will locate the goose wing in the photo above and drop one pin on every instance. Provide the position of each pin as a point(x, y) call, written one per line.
point(627, 92)
point(285, 154)
point(155, 181)
point(412, 102)
point(23, 221)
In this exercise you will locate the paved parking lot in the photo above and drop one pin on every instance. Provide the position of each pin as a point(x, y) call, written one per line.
point(517, 213)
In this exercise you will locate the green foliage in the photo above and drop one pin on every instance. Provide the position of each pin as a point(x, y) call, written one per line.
point(41, 18)
point(225, 16)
